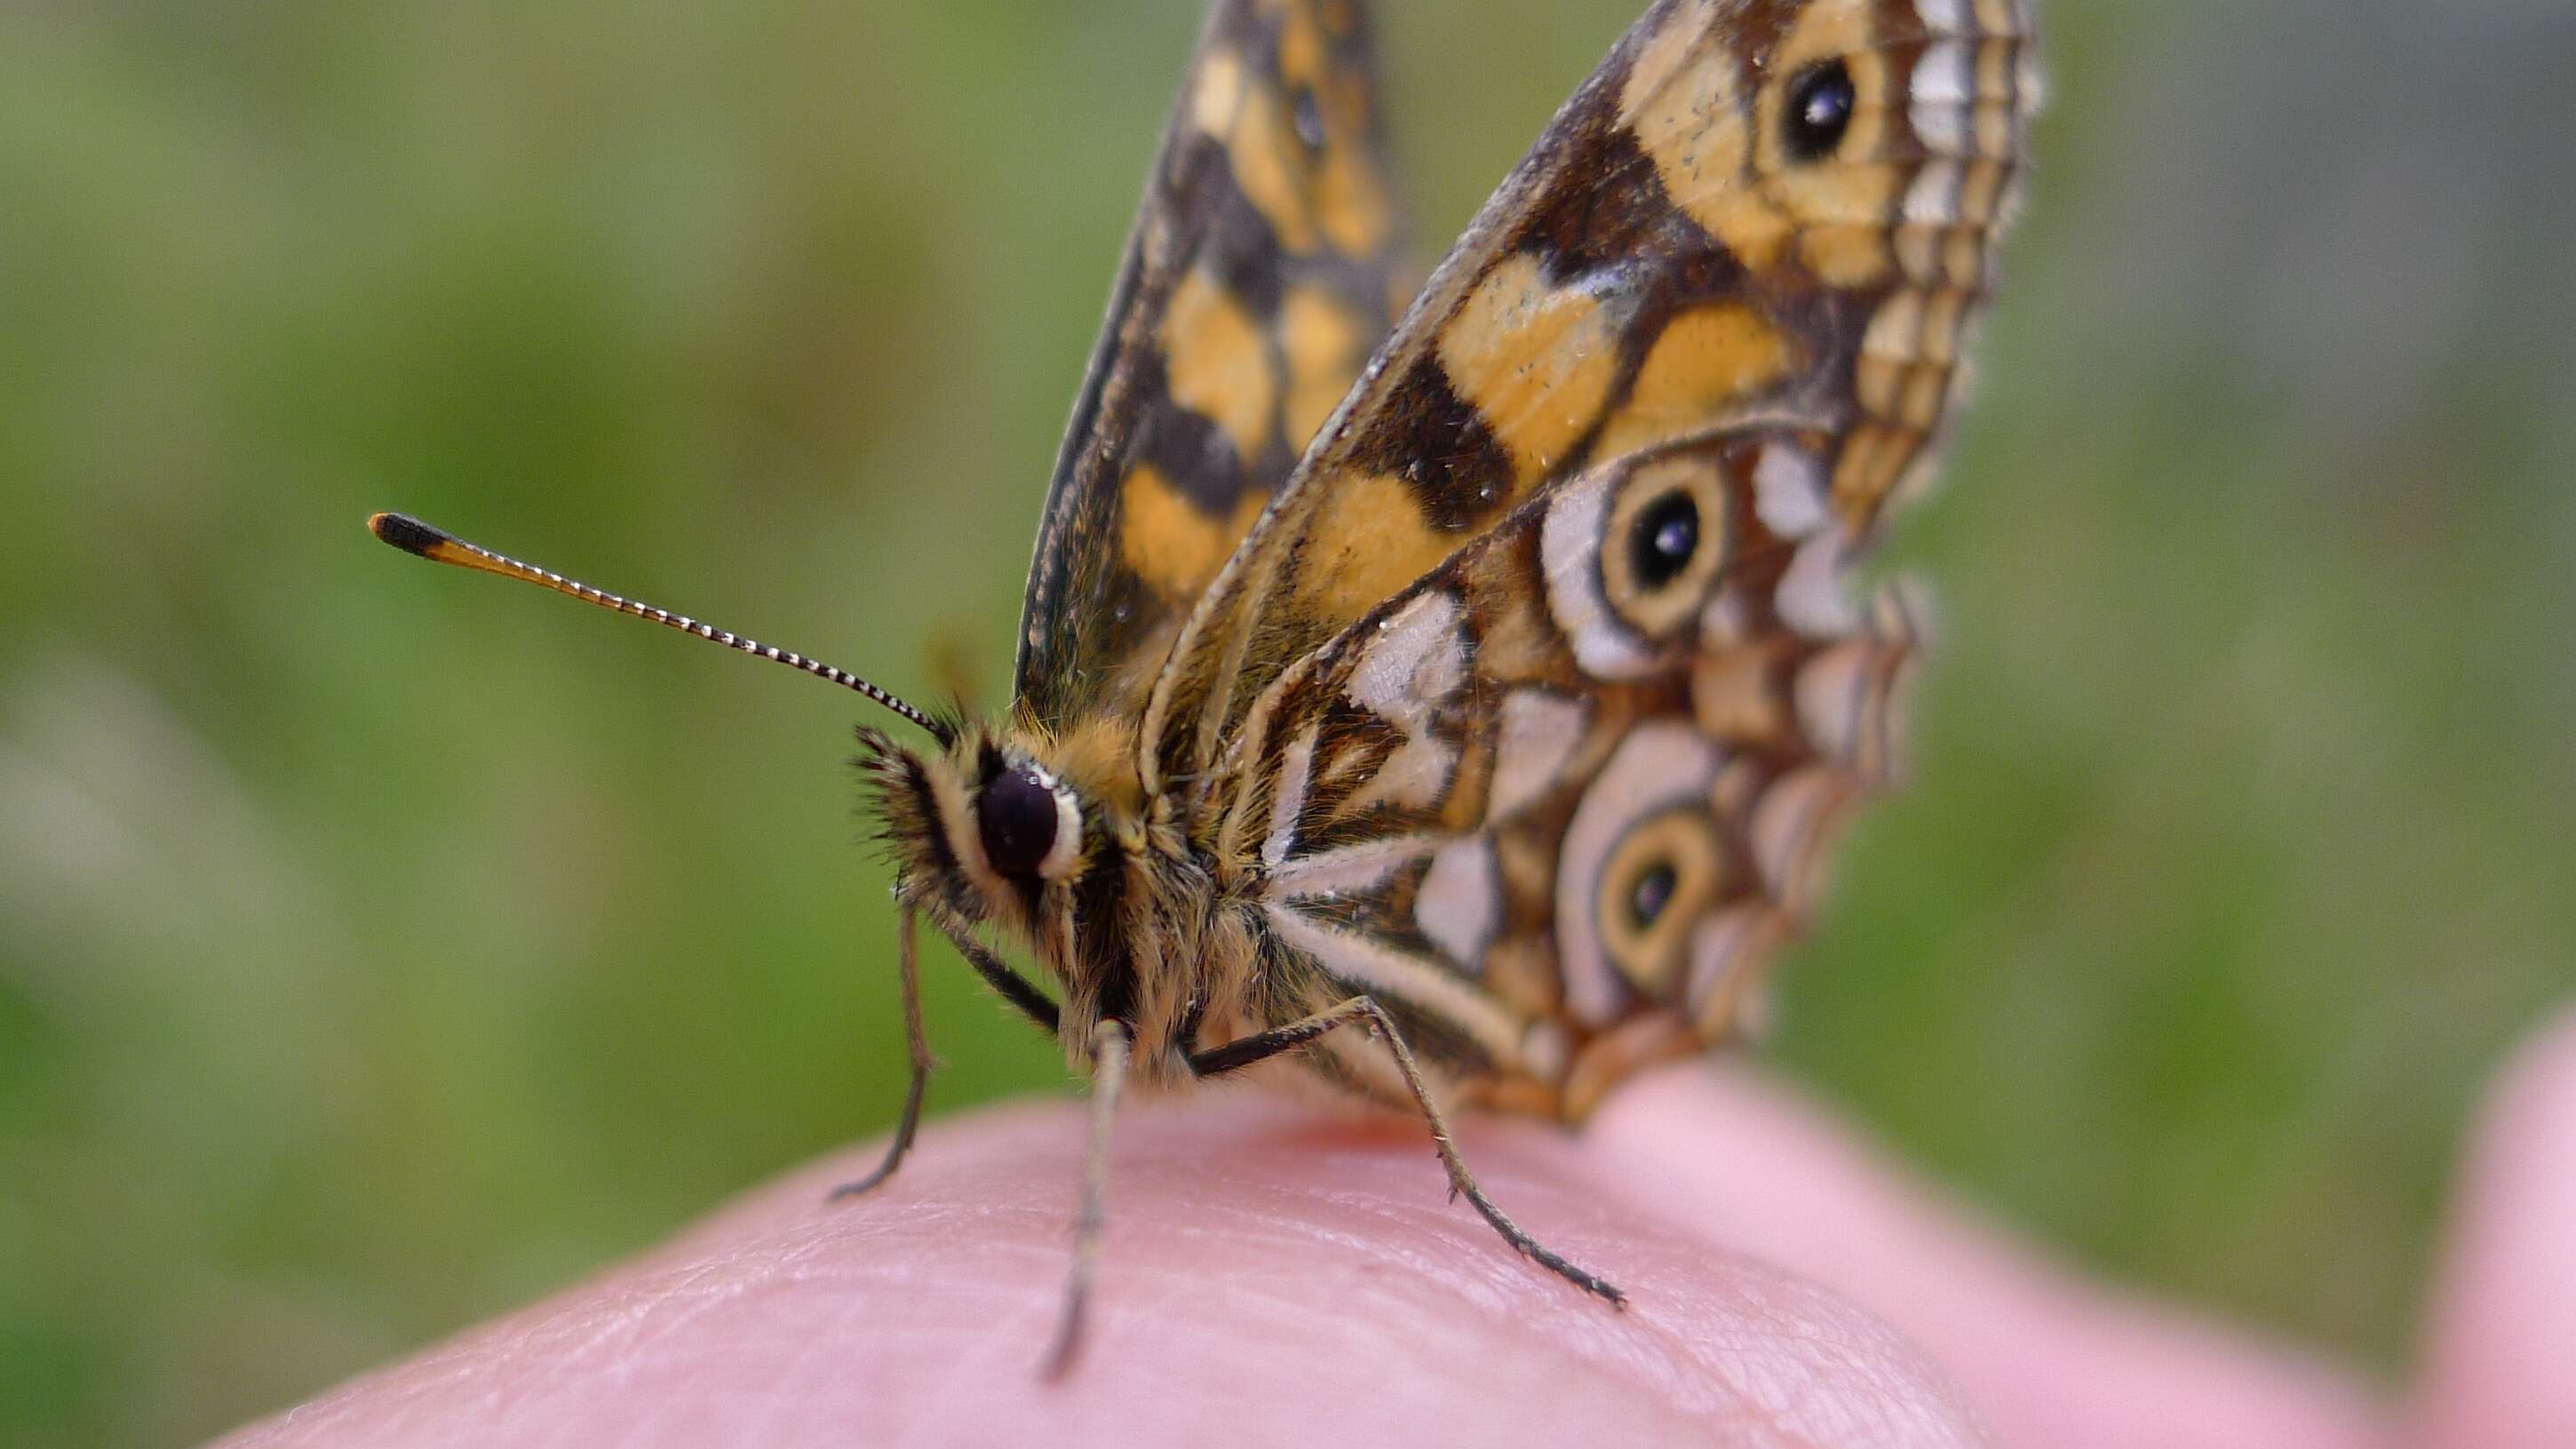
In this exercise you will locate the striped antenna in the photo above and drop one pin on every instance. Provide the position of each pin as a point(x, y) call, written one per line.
point(439, 546)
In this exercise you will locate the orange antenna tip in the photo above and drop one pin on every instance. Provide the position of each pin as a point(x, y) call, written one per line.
point(407, 533)
point(439, 546)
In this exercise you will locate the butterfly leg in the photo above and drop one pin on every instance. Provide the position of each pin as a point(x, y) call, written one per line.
point(1372, 1018)
point(908, 971)
point(1024, 997)
point(1014, 988)
point(1109, 1047)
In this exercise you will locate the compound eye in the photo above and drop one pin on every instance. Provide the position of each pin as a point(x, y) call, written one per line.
point(1022, 820)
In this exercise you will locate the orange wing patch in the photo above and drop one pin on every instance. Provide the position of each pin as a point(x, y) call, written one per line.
point(1257, 283)
point(1373, 541)
point(1534, 360)
point(1326, 341)
point(1705, 360)
point(1175, 545)
point(1217, 363)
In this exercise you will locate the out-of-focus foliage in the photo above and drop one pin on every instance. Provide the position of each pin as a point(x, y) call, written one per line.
point(380, 947)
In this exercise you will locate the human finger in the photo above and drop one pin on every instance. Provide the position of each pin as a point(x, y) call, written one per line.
point(1269, 1275)
point(2499, 1366)
point(2046, 1355)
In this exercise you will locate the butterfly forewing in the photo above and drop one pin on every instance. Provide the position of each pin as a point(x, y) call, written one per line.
point(1756, 210)
point(1260, 277)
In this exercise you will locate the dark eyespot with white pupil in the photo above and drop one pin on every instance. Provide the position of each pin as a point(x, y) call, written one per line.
point(1662, 540)
point(1652, 892)
point(1309, 117)
point(1016, 815)
point(1820, 110)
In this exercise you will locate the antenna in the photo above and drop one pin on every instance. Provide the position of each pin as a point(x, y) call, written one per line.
point(439, 546)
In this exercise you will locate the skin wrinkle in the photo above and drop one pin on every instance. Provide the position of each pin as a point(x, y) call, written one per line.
point(1377, 1278)
point(1849, 1417)
point(974, 1367)
point(1361, 1320)
point(1294, 1218)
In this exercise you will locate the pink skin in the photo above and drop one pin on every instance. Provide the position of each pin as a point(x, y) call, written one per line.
point(1272, 1275)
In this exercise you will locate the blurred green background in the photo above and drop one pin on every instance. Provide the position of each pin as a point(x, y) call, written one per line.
point(380, 948)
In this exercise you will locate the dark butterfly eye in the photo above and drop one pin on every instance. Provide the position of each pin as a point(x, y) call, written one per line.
point(1662, 540)
point(1017, 816)
point(1820, 110)
point(1652, 892)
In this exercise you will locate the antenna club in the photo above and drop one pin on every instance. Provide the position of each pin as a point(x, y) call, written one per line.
point(407, 533)
point(439, 546)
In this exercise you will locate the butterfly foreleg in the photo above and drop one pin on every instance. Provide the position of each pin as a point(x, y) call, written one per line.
point(1373, 1018)
point(1013, 987)
point(1109, 1050)
point(908, 972)
point(1022, 994)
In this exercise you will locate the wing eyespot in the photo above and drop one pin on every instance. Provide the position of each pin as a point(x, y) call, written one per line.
point(1820, 101)
point(1307, 115)
point(1667, 871)
point(1640, 862)
point(1631, 555)
point(1651, 893)
point(1665, 540)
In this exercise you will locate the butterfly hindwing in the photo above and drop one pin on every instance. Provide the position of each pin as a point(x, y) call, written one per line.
point(1256, 284)
point(1558, 803)
point(1754, 211)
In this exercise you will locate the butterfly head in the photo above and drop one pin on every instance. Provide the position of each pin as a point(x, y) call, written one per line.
point(1002, 826)
point(1046, 839)
point(981, 828)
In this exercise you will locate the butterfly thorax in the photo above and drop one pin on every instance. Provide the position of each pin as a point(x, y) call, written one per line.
point(1048, 840)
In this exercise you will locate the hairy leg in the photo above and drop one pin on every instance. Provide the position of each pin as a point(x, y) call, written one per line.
point(1014, 988)
point(1109, 1047)
point(908, 971)
point(1371, 1017)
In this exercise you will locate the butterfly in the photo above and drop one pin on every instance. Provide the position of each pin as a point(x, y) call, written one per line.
point(1451, 692)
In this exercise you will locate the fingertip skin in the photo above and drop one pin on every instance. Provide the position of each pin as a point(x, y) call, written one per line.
point(2499, 1362)
point(2046, 1355)
point(1268, 1277)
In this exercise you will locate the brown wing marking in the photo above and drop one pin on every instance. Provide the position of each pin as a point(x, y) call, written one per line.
point(1254, 288)
point(1675, 256)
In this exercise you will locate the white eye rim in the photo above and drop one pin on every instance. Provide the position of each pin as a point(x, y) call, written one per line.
point(1057, 864)
point(960, 807)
